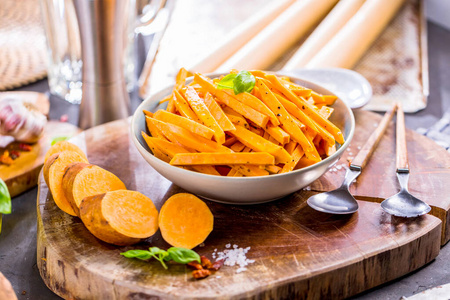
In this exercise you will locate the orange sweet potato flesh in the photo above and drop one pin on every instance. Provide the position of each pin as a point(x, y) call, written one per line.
point(185, 221)
point(119, 217)
point(82, 180)
point(63, 146)
point(57, 166)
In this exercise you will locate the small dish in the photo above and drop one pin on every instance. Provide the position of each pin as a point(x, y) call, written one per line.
point(242, 190)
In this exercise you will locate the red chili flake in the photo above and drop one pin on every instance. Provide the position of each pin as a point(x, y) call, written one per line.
point(195, 265)
point(200, 274)
point(25, 147)
point(64, 118)
point(14, 154)
point(217, 265)
point(206, 263)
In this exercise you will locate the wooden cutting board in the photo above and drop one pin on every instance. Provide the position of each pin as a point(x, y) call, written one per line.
point(298, 252)
point(23, 173)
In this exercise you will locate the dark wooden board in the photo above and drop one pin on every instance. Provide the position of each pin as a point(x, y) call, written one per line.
point(23, 173)
point(299, 253)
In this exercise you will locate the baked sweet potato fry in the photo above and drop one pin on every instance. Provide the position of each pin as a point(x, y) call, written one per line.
point(183, 107)
point(256, 104)
point(254, 158)
point(245, 110)
point(218, 113)
point(260, 144)
point(308, 109)
point(170, 150)
point(185, 123)
point(205, 116)
point(188, 139)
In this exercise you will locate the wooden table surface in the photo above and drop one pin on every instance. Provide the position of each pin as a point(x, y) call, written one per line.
point(18, 239)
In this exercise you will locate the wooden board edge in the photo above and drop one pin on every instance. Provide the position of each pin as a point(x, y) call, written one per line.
point(22, 183)
point(325, 284)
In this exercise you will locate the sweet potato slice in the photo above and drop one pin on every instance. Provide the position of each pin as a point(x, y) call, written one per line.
point(63, 146)
point(119, 217)
point(82, 180)
point(185, 221)
point(56, 169)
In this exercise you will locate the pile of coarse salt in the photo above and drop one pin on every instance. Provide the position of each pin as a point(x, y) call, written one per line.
point(234, 256)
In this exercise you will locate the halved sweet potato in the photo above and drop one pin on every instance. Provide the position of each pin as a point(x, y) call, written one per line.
point(119, 217)
point(185, 221)
point(54, 170)
point(63, 146)
point(82, 180)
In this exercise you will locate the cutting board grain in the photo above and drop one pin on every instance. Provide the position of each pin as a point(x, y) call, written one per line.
point(428, 162)
point(23, 173)
point(299, 253)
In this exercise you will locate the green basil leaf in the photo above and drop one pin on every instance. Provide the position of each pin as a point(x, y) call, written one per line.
point(226, 82)
point(183, 255)
point(140, 254)
point(5, 198)
point(159, 255)
point(58, 139)
point(244, 82)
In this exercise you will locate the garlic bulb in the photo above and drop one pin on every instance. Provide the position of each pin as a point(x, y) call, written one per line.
point(21, 120)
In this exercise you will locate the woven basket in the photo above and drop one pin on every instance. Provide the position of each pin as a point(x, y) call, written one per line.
point(22, 43)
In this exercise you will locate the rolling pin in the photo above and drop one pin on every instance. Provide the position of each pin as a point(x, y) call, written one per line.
point(334, 21)
point(239, 36)
point(277, 37)
point(351, 42)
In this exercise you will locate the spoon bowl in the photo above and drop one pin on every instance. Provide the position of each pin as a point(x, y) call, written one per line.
point(403, 204)
point(339, 202)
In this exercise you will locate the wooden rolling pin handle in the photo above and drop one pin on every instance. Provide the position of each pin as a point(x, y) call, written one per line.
point(402, 152)
point(361, 159)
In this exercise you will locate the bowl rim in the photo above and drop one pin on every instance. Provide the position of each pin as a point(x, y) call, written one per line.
point(159, 94)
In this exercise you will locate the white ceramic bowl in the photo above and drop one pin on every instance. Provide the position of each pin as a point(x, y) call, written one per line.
point(242, 190)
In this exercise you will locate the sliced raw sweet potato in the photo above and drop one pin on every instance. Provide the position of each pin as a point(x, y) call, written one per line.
point(119, 217)
point(56, 168)
point(185, 221)
point(63, 146)
point(46, 167)
point(82, 180)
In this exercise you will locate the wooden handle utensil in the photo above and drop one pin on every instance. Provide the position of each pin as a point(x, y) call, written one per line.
point(361, 159)
point(402, 152)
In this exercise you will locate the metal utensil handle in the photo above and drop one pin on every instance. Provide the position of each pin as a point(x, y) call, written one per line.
point(402, 152)
point(361, 159)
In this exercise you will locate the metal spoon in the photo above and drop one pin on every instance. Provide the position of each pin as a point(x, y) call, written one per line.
point(340, 201)
point(403, 204)
point(348, 85)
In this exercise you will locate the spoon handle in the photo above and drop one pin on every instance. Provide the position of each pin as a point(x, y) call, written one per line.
point(402, 152)
point(361, 159)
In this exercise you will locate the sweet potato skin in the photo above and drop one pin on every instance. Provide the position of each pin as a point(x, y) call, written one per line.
point(72, 171)
point(55, 175)
point(95, 222)
point(46, 168)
